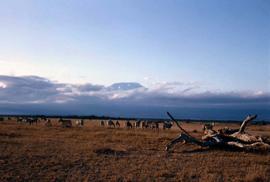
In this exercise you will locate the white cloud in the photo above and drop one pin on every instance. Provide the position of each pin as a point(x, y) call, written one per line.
point(2, 85)
point(129, 96)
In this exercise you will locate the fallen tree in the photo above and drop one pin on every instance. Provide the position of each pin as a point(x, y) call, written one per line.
point(224, 138)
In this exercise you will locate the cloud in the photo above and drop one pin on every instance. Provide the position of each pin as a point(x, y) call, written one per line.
point(28, 89)
point(124, 86)
point(33, 94)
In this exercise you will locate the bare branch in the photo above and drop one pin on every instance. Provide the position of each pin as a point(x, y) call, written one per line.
point(245, 122)
point(178, 124)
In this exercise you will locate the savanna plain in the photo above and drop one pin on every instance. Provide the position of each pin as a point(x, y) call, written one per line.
point(94, 153)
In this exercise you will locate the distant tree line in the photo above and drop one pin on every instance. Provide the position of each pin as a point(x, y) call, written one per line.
point(94, 117)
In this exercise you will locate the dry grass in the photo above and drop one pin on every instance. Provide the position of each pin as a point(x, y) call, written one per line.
point(38, 153)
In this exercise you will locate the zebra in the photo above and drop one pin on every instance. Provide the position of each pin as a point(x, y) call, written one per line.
point(155, 125)
point(145, 124)
point(208, 128)
point(167, 125)
point(19, 119)
point(102, 123)
point(138, 123)
point(110, 124)
point(79, 123)
point(65, 123)
point(48, 123)
point(31, 121)
point(128, 124)
point(117, 124)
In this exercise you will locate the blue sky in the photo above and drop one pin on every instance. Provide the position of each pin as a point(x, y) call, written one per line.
point(216, 47)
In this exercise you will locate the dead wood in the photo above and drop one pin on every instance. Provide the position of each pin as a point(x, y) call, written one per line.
point(231, 138)
point(245, 122)
point(172, 118)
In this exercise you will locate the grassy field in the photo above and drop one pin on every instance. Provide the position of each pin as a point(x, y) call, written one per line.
point(93, 153)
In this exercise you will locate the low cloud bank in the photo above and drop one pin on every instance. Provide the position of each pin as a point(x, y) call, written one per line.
point(37, 95)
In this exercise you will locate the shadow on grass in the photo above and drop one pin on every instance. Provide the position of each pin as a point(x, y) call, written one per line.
point(226, 149)
point(110, 152)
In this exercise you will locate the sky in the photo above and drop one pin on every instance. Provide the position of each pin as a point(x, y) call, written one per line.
point(188, 56)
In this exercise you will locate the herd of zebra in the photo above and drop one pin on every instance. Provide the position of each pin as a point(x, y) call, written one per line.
point(28, 120)
point(64, 122)
point(138, 124)
point(67, 123)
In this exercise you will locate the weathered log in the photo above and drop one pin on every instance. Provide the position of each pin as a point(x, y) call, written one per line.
point(245, 137)
point(218, 141)
point(238, 139)
point(183, 138)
